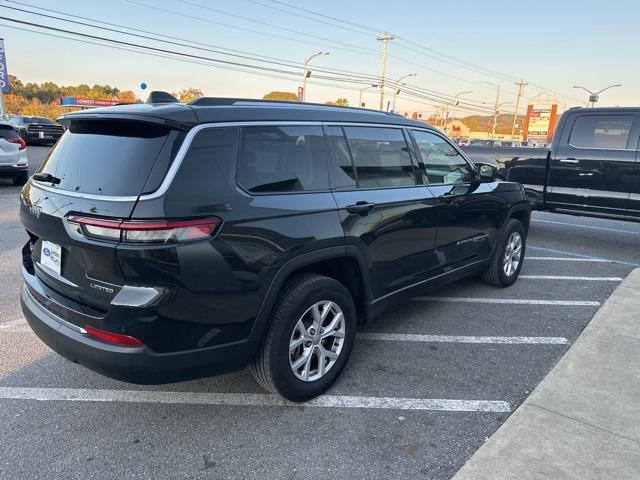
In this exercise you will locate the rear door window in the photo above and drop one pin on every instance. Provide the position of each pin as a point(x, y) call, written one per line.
point(381, 157)
point(114, 158)
point(601, 131)
point(283, 159)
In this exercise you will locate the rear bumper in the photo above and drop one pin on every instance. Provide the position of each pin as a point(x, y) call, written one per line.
point(14, 169)
point(134, 365)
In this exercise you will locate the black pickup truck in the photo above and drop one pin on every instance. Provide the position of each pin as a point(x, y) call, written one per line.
point(591, 168)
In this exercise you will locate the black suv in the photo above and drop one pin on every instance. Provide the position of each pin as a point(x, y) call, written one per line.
point(169, 241)
point(36, 130)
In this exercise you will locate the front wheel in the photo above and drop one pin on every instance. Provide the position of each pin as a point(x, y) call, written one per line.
point(309, 339)
point(507, 259)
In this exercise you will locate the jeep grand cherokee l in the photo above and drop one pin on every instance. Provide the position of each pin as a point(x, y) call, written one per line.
point(169, 241)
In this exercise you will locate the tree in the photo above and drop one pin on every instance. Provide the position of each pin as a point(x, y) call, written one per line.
point(342, 102)
point(187, 95)
point(282, 96)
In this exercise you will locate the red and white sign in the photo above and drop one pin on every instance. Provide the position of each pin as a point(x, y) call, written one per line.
point(87, 102)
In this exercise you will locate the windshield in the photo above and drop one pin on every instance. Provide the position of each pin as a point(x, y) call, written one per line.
point(110, 157)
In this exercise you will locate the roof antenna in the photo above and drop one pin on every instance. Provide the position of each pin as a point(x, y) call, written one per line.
point(161, 97)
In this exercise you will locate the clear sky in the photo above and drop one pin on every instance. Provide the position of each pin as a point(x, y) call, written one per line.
point(551, 44)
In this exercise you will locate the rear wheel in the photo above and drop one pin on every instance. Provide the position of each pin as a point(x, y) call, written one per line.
point(309, 339)
point(20, 179)
point(508, 256)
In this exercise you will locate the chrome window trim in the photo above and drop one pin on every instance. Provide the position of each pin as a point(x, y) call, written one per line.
point(186, 144)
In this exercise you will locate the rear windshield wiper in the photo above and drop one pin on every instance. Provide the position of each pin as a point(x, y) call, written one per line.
point(46, 177)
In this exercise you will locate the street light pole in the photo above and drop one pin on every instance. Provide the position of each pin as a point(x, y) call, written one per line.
point(455, 102)
point(396, 90)
point(373, 85)
point(385, 39)
point(306, 72)
point(593, 96)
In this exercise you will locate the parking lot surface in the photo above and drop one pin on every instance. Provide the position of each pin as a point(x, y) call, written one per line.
point(426, 385)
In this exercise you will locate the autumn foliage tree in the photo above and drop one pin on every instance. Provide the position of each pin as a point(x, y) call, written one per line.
point(282, 96)
point(42, 99)
point(187, 95)
point(342, 102)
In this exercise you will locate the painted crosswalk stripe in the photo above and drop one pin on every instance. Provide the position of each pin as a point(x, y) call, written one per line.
point(249, 399)
point(407, 337)
point(512, 301)
point(569, 277)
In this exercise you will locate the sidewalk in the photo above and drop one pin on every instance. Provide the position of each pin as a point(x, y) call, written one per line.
point(583, 420)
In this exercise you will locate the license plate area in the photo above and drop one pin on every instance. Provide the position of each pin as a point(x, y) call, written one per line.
point(51, 256)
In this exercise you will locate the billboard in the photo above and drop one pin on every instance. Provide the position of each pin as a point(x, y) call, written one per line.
point(540, 122)
point(4, 74)
point(87, 102)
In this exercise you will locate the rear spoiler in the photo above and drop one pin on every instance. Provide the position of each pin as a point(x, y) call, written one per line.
point(66, 119)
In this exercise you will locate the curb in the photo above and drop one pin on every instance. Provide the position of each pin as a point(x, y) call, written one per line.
point(583, 420)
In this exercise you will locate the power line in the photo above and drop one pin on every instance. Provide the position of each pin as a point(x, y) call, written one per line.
point(440, 55)
point(358, 78)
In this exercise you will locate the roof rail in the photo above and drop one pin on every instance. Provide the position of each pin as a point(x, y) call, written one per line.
point(216, 101)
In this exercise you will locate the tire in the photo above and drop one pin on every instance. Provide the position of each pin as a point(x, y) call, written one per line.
point(273, 366)
point(498, 273)
point(20, 180)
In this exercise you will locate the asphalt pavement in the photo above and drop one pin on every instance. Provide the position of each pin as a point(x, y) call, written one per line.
point(426, 385)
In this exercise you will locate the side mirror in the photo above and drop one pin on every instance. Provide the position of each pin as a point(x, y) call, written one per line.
point(487, 172)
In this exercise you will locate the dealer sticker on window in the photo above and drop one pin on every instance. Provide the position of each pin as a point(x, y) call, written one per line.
point(51, 256)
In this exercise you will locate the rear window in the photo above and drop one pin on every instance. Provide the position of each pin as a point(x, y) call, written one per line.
point(112, 158)
point(7, 131)
point(44, 120)
point(606, 131)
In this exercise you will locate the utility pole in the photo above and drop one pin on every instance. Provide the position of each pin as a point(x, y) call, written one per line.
point(521, 86)
point(495, 112)
point(385, 39)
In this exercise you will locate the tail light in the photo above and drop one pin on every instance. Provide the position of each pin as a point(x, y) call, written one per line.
point(112, 338)
point(145, 231)
point(18, 139)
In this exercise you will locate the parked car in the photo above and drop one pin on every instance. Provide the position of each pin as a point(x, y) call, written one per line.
point(170, 241)
point(37, 130)
point(13, 155)
point(591, 168)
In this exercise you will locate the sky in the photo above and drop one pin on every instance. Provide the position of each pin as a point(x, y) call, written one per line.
point(451, 47)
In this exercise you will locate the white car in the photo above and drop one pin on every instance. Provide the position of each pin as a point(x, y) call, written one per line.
point(13, 155)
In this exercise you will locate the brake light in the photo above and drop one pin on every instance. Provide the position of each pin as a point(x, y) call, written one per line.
point(18, 139)
point(145, 231)
point(112, 338)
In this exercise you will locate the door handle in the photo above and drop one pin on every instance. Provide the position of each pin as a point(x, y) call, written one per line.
point(361, 208)
point(569, 160)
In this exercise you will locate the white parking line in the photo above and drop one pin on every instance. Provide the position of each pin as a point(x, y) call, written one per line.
point(514, 301)
point(569, 277)
point(249, 399)
point(403, 337)
point(590, 227)
point(570, 259)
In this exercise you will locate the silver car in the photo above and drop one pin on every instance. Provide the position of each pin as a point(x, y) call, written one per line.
point(13, 155)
